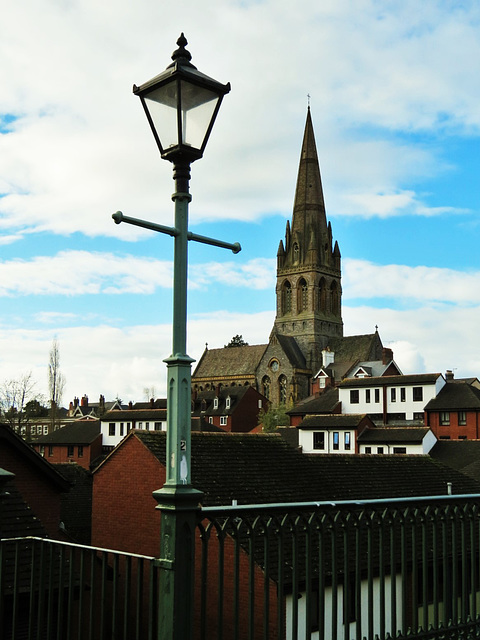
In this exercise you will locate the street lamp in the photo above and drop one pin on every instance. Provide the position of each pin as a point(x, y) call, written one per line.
point(181, 105)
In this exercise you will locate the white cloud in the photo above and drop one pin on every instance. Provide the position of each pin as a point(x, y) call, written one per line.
point(421, 284)
point(81, 148)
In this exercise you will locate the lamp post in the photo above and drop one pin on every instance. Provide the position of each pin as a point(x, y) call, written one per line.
point(181, 105)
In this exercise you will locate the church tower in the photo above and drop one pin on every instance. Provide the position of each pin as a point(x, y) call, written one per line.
point(308, 289)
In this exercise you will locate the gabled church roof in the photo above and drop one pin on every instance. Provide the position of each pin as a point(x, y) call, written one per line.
point(229, 361)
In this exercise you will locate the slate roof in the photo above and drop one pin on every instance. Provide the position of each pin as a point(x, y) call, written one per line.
point(326, 402)
point(237, 361)
point(334, 421)
point(79, 432)
point(131, 415)
point(17, 518)
point(292, 351)
point(355, 348)
point(416, 378)
point(454, 396)
point(159, 403)
point(264, 468)
point(407, 435)
point(235, 393)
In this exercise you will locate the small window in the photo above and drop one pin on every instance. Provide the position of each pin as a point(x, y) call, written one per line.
point(227, 403)
point(140, 425)
point(319, 440)
point(70, 451)
point(393, 394)
point(403, 394)
point(147, 426)
point(111, 429)
point(50, 450)
point(400, 450)
point(45, 429)
point(336, 440)
point(215, 403)
point(418, 416)
point(129, 426)
point(377, 396)
point(417, 394)
point(210, 420)
point(158, 426)
point(380, 450)
point(367, 395)
point(223, 421)
point(42, 450)
point(354, 396)
point(444, 418)
point(347, 440)
point(121, 428)
point(462, 418)
point(80, 451)
point(368, 449)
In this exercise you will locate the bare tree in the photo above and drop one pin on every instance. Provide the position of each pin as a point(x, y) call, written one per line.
point(15, 394)
point(56, 381)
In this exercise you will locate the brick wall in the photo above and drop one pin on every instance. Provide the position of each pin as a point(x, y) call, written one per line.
point(39, 491)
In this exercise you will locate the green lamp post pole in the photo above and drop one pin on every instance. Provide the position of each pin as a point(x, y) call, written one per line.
point(181, 105)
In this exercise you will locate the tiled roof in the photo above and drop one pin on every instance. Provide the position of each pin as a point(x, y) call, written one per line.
point(463, 455)
point(417, 378)
point(131, 415)
point(218, 363)
point(326, 402)
point(455, 397)
point(333, 421)
point(393, 434)
point(80, 432)
point(263, 468)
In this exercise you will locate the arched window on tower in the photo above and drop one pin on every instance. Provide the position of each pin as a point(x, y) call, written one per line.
point(322, 295)
point(296, 252)
point(302, 296)
point(334, 298)
point(286, 297)
point(282, 389)
point(266, 382)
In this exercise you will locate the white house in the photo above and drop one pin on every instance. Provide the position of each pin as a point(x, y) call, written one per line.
point(116, 424)
point(390, 398)
point(396, 440)
point(335, 433)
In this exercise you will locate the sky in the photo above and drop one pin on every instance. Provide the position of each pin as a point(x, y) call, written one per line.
point(394, 93)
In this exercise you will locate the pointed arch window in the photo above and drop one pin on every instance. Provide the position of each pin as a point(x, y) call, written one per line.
point(266, 382)
point(282, 389)
point(286, 297)
point(302, 302)
point(322, 295)
point(334, 297)
point(296, 252)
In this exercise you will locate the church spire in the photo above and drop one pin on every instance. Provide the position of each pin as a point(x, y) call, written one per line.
point(309, 206)
point(308, 265)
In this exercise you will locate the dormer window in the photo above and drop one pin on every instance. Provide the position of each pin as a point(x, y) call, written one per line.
point(215, 403)
point(227, 403)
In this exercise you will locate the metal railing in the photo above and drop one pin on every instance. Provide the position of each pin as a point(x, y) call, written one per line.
point(405, 568)
point(52, 590)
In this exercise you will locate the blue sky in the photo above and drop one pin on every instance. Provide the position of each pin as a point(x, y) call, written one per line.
point(395, 102)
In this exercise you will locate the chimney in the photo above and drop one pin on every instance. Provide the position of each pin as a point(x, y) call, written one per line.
point(130, 405)
point(75, 402)
point(387, 355)
point(449, 375)
point(152, 403)
point(84, 401)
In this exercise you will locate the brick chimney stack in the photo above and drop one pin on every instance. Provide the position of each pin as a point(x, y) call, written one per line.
point(449, 375)
point(387, 355)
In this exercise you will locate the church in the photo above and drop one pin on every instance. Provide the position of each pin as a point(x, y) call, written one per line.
point(307, 338)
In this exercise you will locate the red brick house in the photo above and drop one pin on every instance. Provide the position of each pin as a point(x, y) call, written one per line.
point(454, 414)
point(39, 484)
point(79, 442)
point(232, 409)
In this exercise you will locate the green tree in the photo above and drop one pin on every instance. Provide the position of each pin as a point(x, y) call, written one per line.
point(237, 341)
point(275, 416)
